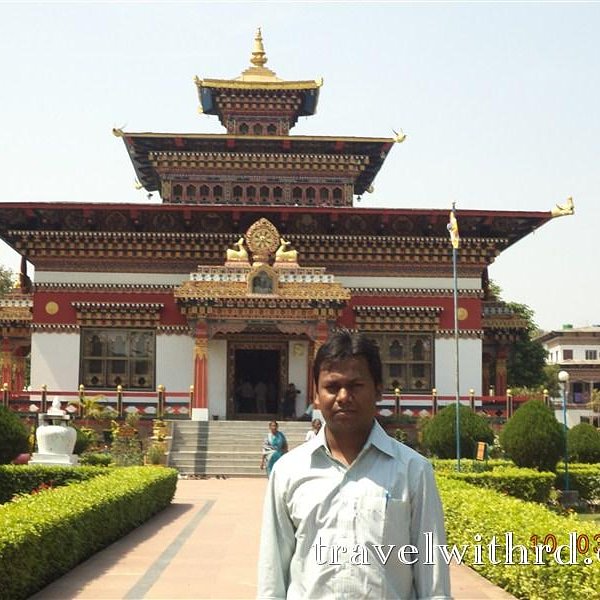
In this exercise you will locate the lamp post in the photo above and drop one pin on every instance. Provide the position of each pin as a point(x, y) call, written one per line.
point(563, 378)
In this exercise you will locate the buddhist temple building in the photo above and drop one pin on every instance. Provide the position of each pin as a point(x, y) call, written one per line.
point(256, 252)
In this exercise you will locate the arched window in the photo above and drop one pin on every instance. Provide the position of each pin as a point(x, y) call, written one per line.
point(418, 350)
point(177, 192)
point(278, 194)
point(251, 192)
point(310, 195)
point(204, 192)
point(218, 193)
point(297, 194)
point(264, 193)
point(396, 350)
point(244, 128)
point(237, 193)
point(324, 194)
point(190, 191)
point(337, 193)
point(257, 129)
point(272, 130)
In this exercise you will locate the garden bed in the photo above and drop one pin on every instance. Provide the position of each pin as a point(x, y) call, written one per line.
point(45, 535)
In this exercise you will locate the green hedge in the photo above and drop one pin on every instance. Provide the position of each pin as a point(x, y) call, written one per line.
point(23, 479)
point(583, 477)
point(526, 484)
point(45, 535)
point(473, 511)
point(470, 465)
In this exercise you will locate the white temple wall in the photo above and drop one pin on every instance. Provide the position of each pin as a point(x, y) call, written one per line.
point(470, 353)
point(298, 372)
point(428, 283)
point(217, 378)
point(110, 278)
point(55, 361)
point(174, 362)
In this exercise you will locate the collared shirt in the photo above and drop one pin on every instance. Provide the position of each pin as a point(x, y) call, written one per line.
point(336, 531)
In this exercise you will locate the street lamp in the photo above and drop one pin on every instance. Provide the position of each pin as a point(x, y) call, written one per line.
point(563, 377)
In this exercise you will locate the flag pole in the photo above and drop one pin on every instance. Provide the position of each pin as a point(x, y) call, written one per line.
point(454, 238)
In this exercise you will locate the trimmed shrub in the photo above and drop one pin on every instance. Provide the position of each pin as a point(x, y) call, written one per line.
point(582, 477)
point(439, 434)
point(526, 484)
point(475, 516)
point(533, 437)
point(469, 465)
point(583, 443)
point(23, 479)
point(95, 459)
point(45, 535)
point(13, 436)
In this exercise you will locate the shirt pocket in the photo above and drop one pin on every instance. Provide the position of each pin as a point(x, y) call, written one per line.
point(396, 528)
point(371, 519)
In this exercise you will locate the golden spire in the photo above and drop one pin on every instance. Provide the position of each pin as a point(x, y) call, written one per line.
point(259, 58)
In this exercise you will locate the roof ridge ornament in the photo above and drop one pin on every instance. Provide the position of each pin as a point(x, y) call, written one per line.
point(259, 57)
point(566, 209)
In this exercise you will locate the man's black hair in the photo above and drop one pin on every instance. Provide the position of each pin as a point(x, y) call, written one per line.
point(344, 344)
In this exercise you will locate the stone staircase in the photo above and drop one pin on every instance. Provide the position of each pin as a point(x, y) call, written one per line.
point(229, 448)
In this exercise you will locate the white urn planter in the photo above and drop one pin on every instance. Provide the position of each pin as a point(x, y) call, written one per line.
point(55, 441)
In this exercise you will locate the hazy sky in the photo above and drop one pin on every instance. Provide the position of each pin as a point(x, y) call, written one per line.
point(500, 101)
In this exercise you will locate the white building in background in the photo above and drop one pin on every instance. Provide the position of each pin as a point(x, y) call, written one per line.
point(576, 350)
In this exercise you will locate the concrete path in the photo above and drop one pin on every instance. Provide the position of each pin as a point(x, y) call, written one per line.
point(203, 546)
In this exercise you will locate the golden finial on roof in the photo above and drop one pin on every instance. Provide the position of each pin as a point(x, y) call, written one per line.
point(259, 58)
point(565, 209)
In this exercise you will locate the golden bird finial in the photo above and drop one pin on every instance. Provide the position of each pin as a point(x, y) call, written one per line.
point(399, 137)
point(258, 58)
point(565, 209)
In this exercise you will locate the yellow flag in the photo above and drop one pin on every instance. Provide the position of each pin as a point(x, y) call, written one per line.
point(453, 229)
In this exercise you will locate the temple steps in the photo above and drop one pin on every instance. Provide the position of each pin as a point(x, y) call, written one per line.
point(225, 448)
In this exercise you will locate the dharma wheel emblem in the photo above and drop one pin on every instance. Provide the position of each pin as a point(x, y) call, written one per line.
point(262, 239)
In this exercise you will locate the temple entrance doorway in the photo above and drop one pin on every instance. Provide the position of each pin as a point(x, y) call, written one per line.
point(256, 380)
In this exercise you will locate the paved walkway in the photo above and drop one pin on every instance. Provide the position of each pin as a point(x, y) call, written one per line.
point(203, 546)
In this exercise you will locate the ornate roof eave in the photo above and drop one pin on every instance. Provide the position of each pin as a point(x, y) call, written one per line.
point(24, 224)
point(140, 145)
point(278, 84)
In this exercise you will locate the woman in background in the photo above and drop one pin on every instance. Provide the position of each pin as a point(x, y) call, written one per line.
point(274, 447)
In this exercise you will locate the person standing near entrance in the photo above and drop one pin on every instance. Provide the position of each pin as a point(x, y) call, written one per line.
point(332, 501)
point(260, 393)
point(274, 447)
point(289, 401)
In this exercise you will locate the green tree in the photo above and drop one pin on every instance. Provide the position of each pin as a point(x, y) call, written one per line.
point(533, 437)
point(583, 442)
point(6, 280)
point(526, 366)
point(14, 437)
point(439, 434)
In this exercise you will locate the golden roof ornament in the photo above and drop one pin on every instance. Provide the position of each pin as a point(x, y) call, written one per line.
point(262, 239)
point(259, 57)
point(568, 208)
point(238, 254)
point(258, 72)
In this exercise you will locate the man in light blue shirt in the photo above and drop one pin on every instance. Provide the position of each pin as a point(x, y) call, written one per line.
point(352, 513)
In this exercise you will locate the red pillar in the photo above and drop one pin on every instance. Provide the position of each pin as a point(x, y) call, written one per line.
point(200, 366)
point(6, 360)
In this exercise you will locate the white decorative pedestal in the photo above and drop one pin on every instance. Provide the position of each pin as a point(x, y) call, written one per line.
point(55, 440)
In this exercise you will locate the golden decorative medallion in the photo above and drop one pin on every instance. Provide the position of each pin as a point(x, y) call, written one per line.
point(51, 308)
point(463, 313)
point(262, 238)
